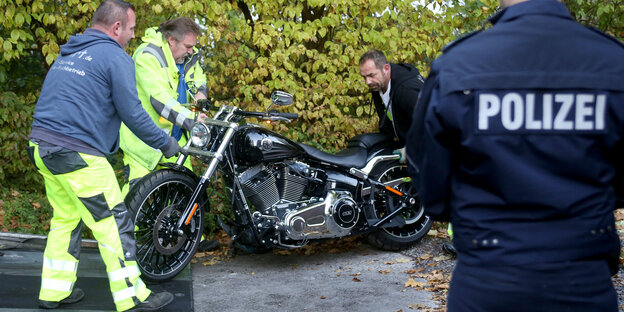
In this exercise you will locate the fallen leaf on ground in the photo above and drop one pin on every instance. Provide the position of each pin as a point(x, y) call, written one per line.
point(384, 271)
point(442, 258)
point(417, 306)
point(413, 271)
point(209, 262)
point(414, 284)
point(355, 279)
point(402, 260)
point(441, 286)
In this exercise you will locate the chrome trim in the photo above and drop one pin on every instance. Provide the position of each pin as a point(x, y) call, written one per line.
point(199, 152)
point(219, 154)
point(220, 123)
point(364, 172)
point(318, 219)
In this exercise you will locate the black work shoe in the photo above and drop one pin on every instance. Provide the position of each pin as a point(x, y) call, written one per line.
point(76, 295)
point(208, 245)
point(154, 302)
point(449, 248)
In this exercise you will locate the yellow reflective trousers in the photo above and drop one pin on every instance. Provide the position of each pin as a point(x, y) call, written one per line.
point(82, 189)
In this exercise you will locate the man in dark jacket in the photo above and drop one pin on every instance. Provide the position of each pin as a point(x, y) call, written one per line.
point(89, 90)
point(519, 139)
point(394, 89)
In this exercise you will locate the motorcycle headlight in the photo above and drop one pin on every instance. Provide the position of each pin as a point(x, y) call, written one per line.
point(200, 135)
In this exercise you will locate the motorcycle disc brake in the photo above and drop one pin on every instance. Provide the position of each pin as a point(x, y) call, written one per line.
point(166, 241)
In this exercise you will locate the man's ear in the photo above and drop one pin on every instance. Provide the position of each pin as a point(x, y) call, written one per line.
point(171, 41)
point(116, 28)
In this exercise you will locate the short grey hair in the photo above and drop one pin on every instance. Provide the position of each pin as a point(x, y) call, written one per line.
point(111, 11)
point(377, 56)
point(178, 28)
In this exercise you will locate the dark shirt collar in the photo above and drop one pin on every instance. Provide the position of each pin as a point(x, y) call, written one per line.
point(531, 7)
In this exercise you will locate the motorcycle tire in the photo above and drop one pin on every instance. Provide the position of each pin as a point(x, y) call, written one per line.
point(156, 204)
point(417, 223)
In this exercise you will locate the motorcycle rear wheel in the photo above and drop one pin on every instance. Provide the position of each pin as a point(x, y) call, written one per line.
point(156, 204)
point(417, 223)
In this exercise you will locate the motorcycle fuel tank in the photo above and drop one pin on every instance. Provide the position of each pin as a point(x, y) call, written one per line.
point(254, 145)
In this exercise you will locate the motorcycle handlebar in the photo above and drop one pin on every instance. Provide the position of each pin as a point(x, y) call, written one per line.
point(270, 115)
point(288, 115)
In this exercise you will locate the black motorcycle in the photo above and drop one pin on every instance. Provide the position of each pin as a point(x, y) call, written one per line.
point(283, 194)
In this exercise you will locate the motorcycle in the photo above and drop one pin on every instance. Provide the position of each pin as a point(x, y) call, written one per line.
point(283, 194)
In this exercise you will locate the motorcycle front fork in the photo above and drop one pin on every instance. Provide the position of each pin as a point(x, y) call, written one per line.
point(193, 203)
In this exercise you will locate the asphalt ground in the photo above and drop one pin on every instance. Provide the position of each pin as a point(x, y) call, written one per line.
point(354, 278)
point(335, 276)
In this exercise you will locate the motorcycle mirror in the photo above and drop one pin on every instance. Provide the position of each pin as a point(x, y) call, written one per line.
point(281, 98)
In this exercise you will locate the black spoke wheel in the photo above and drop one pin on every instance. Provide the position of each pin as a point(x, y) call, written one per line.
point(157, 203)
point(417, 223)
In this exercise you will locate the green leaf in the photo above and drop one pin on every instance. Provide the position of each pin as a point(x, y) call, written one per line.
point(15, 34)
point(19, 19)
point(7, 46)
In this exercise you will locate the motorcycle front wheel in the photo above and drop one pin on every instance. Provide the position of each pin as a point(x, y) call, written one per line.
point(156, 204)
point(417, 223)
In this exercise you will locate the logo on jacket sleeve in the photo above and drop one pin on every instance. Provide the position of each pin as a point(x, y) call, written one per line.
point(501, 112)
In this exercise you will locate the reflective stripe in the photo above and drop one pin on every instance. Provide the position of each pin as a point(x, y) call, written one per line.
point(156, 52)
point(168, 107)
point(60, 265)
point(109, 248)
point(54, 284)
point(128, 292)
point(123, 273)
point(182, 116)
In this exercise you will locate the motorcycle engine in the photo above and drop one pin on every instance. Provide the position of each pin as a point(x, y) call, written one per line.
point(333, 216)
point(264, 187)
point(280, 191)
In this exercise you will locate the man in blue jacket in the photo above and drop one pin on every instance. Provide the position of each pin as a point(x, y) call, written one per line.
point(89, 90)
point(518, 139)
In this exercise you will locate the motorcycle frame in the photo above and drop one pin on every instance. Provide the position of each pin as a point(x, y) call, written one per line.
point(216, 157)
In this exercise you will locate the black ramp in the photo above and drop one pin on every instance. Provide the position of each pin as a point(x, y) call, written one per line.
point(20, 279)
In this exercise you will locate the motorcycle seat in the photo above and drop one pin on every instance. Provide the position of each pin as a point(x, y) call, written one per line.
point(349, 157)
point(370, 141)
point(356, 153)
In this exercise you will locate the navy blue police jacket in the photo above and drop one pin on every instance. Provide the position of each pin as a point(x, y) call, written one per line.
point(517, 139)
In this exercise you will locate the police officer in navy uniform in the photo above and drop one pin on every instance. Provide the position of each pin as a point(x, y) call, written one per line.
point(517, 138)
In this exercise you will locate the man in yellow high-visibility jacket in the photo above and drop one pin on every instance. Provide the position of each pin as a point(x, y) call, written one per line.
point(168, 75)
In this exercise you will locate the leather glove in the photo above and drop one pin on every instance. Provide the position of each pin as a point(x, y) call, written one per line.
point(401, 153)
point(172, 148)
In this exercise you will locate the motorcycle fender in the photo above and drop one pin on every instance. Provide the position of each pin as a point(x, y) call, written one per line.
point(182, 169)
point(187, 171)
